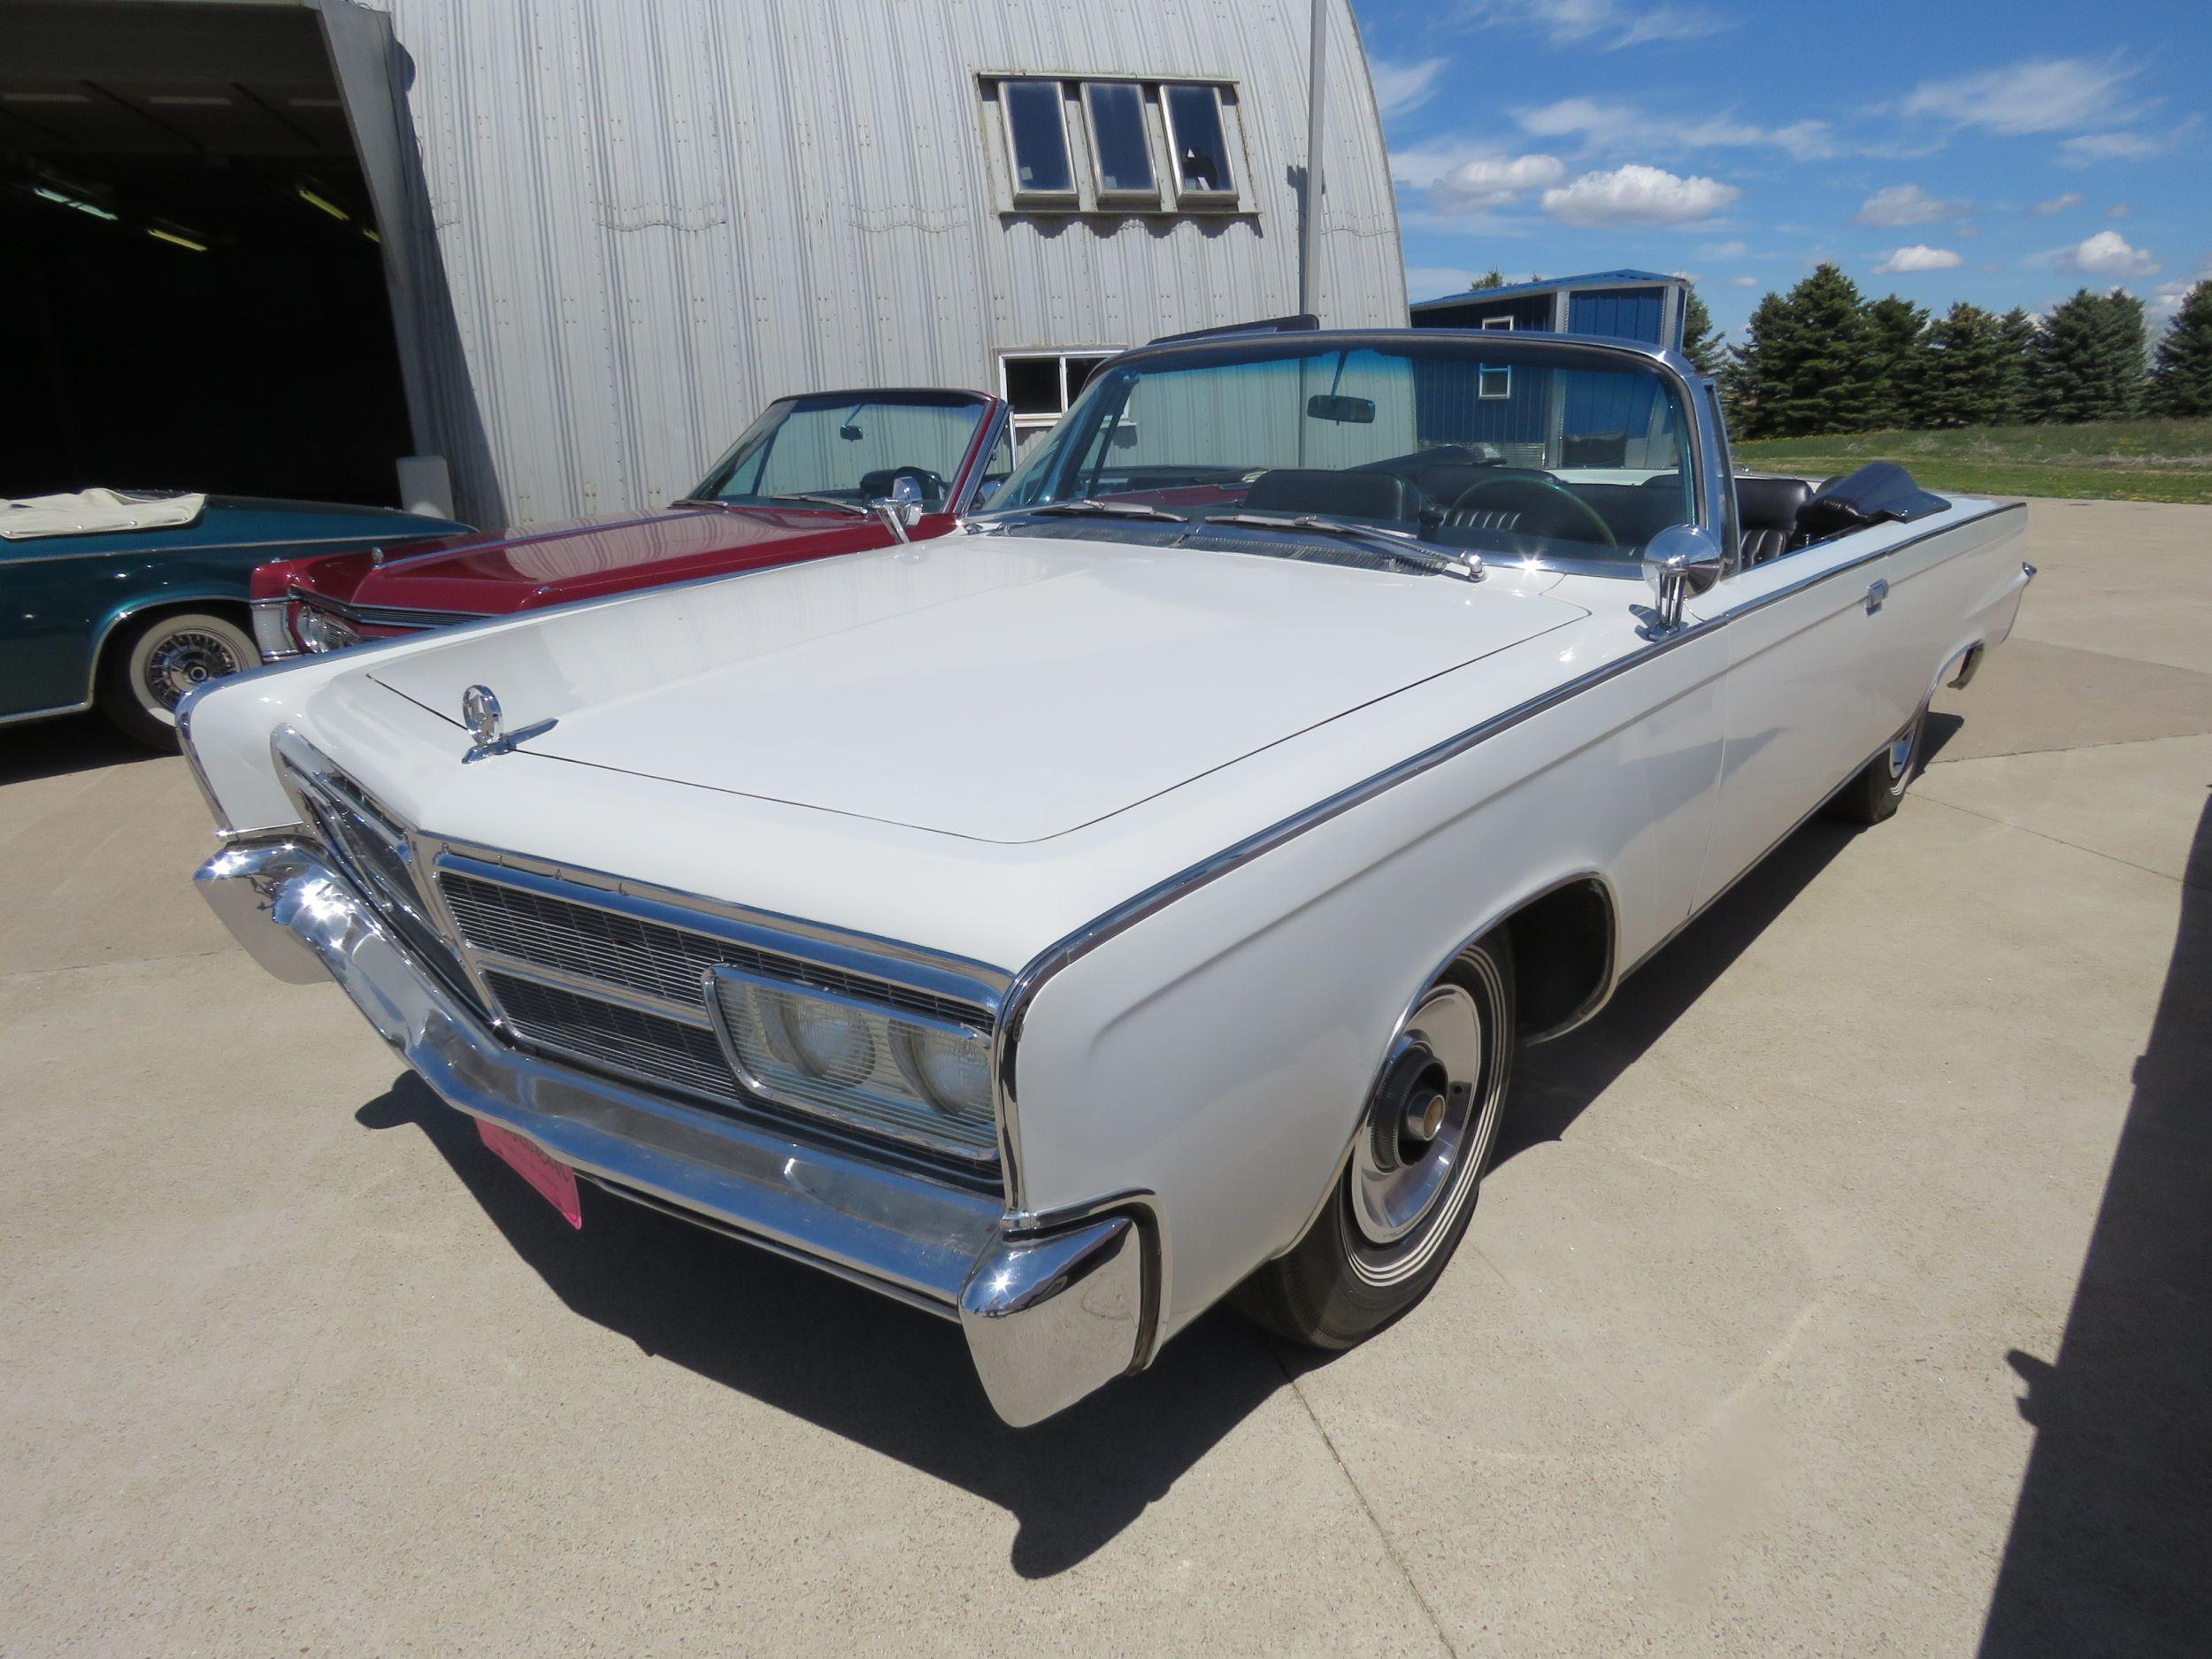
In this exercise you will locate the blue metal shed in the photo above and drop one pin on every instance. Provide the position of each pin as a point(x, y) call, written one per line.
point(1625, 304)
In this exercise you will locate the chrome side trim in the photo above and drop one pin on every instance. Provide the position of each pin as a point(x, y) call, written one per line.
point(1034, 975)
point(60, 709)
point(221, 547)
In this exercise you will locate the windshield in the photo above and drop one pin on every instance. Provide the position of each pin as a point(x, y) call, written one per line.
point(848, 447)
point(1528, 448)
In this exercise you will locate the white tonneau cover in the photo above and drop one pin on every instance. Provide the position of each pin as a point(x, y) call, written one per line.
point(91, 511)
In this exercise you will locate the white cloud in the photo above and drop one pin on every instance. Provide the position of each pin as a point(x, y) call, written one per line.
point(1919, 256)
point(2089, 148)
point(1908, 205)
point(1602, 125)
point(1724, 250)
point(1609, 24)
point(1484, 182)
point(1637, 194)
point(2036, 95)
point(1400, 89)
point(2120, 210)
point(2108, 253)
point(2057, 205)
point(1743, 281)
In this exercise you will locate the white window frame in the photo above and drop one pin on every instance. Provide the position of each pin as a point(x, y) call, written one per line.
point(1506, 322)
point(1028, 426)
point(1483, 371)
point(1225, 197)
point(1024, 195)
point(1100, 193)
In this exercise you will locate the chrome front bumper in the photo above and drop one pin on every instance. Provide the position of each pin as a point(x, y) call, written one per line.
point(1048, 1315)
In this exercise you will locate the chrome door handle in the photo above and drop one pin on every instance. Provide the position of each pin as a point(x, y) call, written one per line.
point(1876, 591)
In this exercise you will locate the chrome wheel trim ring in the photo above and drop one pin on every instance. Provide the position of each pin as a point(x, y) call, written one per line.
point(1400, 1218)
point(182, 660)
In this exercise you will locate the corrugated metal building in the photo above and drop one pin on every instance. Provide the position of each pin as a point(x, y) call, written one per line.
point(614, 228)
point(1625, 304)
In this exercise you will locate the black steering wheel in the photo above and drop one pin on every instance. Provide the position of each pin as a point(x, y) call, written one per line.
point(1544, 495)
point(877, 485)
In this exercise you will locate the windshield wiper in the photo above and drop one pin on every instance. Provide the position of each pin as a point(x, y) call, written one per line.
point(825, 501)
point(1112, 509)
point(1401, 543)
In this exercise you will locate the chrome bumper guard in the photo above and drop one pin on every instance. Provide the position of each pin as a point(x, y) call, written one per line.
point(1050, 1316)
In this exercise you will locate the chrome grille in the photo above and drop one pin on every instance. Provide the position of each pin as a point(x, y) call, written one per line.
point(373, 849)
point(624, 1037)
point(583, 980)
point(641, 956)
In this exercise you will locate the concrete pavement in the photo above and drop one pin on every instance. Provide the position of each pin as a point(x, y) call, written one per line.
point(1843, 1290)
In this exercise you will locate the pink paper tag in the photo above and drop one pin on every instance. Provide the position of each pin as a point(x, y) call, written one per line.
point(555, 1182)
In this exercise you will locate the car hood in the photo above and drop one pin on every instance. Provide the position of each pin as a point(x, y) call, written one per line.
point(492, 575)
point(999, 688)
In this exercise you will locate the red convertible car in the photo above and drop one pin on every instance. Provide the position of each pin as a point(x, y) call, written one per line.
point(813, 476)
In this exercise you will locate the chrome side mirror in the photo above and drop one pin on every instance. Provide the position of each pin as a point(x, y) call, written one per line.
point(902, 509)
point(1682, 561)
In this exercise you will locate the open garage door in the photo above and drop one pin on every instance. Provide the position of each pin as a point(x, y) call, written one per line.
point(191, 273)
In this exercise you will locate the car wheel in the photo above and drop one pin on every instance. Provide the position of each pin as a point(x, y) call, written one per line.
point(1872, 796)
point(149, 672)
point(1407, 1188)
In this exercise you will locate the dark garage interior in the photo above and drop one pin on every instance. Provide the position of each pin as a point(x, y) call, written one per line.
point(190, 268)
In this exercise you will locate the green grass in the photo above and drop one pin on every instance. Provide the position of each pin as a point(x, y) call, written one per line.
point(2109, 460)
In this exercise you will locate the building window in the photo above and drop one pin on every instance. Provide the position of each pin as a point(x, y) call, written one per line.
point(1196, 142)
point(1505, 323)
point(1037, 140)
point(1492, 380)
point(1121, 145)
point(1040, 385)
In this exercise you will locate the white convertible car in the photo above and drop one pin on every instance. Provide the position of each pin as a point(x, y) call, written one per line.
point(1136, 898)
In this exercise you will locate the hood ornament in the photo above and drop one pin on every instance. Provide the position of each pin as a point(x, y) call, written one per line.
point(479, 713)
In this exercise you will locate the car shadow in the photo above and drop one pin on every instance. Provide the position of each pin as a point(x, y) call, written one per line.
point(821, 1349)
point(2110, 1550)
point(1554, 1083)
point(72, 742)
point(876, 1371)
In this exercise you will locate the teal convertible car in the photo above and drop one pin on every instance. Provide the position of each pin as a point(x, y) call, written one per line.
point(129, 620)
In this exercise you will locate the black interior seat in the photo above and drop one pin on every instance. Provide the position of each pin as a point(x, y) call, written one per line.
point(1766, 511)
point(1354, 495)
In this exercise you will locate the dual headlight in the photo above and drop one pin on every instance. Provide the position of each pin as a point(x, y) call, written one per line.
point(918, 1076)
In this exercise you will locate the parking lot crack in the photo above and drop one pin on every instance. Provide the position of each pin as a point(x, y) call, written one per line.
point(1987, 818)
point(1382, 1533)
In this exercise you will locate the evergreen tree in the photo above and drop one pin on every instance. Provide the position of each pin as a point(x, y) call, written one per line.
point(2087, 362)
point(2182, 383)
point(2018, 329)
point(1743, 376)
point(1896, 358)
point(1700, 343)
point(1968, 371)
point(1492, 278)
point(1806, 366)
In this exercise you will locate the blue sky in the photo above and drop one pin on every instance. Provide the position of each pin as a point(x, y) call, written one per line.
point(1940, 151)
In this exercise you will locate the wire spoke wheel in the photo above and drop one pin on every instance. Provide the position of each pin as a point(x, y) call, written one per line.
point(184, 658)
